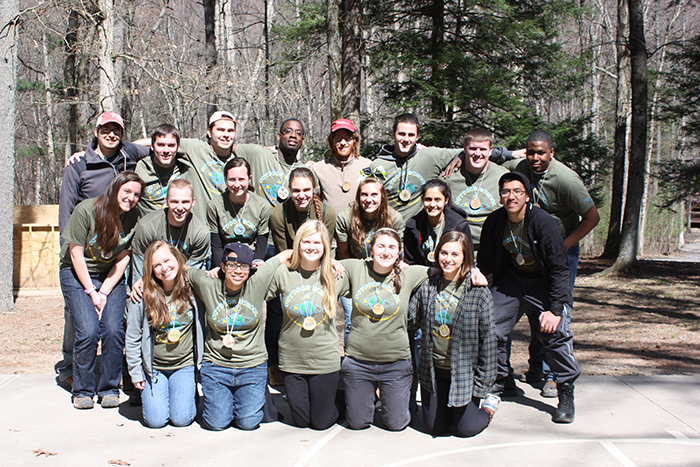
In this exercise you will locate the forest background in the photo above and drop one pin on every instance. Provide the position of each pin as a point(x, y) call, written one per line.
point(616, 83)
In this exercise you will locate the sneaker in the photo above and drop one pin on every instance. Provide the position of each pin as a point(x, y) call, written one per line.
point(110, 402)
point(83, 402)
point(275, 376)
point(549, 389)
point(490, 404)
point(531, 377)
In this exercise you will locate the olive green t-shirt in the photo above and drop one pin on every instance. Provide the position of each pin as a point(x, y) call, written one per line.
point(427, 164)
point(192, 239)
point(379, 337)
point(238, 223)
point(467, 187)
point(446, 304)
point(343, 230)
point(207, 178)
point(302, 351)
point(516, 241)
point(240, 313)
point(173, 354)
point(269, 170)
point(559, 191)
point(81, 230)
point(156, 180)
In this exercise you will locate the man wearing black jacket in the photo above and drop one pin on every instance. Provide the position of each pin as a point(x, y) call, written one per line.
point(524, 258)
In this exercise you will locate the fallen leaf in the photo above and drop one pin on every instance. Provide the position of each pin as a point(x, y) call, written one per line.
point(118, 462)
point(40, 452)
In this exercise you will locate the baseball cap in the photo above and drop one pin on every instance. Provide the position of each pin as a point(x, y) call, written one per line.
point(342, 124)
point(239, 253)
point(109, 117)
point(219, 114)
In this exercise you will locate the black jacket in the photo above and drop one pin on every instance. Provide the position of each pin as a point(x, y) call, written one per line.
point(417, 231)
point(547, 246)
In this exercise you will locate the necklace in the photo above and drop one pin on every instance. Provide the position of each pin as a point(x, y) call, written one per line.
point(307, 307)
point(519, 258)
point(475, 202)
point(438, 235)
point(174, 333)
point(404, 192)
point(238, 227)
point(229, 339)
point(378, 307)
point(443, 316)
point(282, 191)
point(345, 185)
point(538, 190)
point(179, 237)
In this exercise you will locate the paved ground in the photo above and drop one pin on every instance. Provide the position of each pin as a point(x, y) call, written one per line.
point(620, 421)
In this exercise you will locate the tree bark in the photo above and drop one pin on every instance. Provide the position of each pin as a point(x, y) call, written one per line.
point(353, 50)
point(70, 76)
point(622, 127)
point(210, 52)
point(627, 257)
point(108, 78)
point(50, 150)
point(9, 10)
point(335, 57)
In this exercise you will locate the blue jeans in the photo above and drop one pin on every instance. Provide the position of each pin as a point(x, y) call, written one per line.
point(233, 395)
point(169, 395)
point(537, 350)
point(347, 308)
point(89, 331)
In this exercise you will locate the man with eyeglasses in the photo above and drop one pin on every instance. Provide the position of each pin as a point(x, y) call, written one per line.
point(88, 177)
point(560, 191)
point(524, 258)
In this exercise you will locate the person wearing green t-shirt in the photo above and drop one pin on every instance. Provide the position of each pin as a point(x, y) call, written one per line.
point(378, 354)
point(458, 360)
point(238, 215)
point(93, 260)
point(355, 226)
point(309, 355)
point(234, 366)
point(164, 339)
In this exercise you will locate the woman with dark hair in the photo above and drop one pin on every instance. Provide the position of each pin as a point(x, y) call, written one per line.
point(93, 260)
point(238, 215)
point(357, 223)
point(439, 215)
point(164, 339)
point(457, 364)
point(303, 204)
point(378, 354)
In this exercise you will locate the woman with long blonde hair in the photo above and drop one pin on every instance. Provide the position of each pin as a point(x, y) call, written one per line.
point(308, 345)
point(164, 339)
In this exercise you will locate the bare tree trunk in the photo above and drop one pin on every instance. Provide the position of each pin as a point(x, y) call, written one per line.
point(50, 150)
point(622, 129)
point(335, 58)
point(108, 78)
point(128, 78)
point(353, 50)
point(210, 52)
point(627, 258)
point(9, 10)
point(70, 77)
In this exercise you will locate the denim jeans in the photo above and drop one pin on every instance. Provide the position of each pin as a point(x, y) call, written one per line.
point(362, 379)
point(89, 331)
point(169, 395)
point(233, 395)
point(347, 308)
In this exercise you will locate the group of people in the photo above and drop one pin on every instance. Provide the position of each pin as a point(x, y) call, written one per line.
point(237, 258)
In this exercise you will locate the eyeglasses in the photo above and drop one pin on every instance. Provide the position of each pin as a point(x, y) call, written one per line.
point(517, 192)
point(289, 131)
point(234, 265)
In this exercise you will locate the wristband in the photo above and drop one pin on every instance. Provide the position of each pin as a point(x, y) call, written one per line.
point(102, 293)
point(89, 291)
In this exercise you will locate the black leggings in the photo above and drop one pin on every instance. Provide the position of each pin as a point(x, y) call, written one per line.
point(312, 399)
point(468, 420)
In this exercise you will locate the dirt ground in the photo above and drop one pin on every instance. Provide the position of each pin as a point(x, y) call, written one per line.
point(642, 323)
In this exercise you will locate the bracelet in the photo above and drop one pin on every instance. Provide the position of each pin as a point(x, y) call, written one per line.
point(89, 291)
point(102, 293)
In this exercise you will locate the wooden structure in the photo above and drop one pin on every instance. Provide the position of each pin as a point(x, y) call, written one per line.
point(36, 247)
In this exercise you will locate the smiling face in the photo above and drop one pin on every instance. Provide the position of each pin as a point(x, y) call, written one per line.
point(342, 144)
point(291, 138)
point(311, 249)
point(238, 180)
point(221, 136)
point(302, 190)
point(129, 194)
point(164, 149)
point(451, 258)
point(180, 202)
point(371, 199)
point(405, 138)
point(108, 137)
point(514, 199)
point(478, 154)
point(165, 267)
point(385, 252)
point(434, 203)
point(235, 273)
point(539, 155)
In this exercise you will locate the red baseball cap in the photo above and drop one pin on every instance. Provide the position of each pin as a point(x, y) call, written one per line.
point(109, 117)
point(342, 124)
